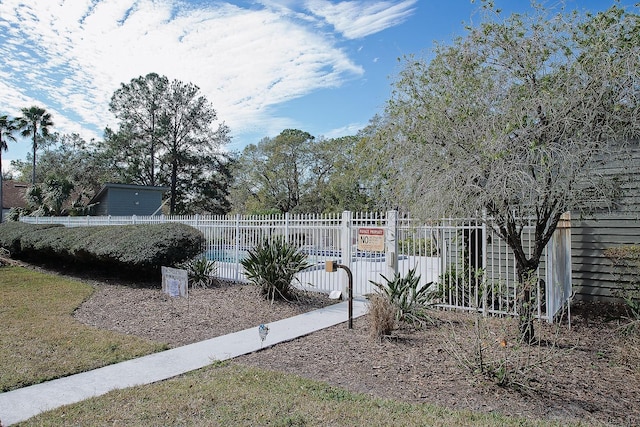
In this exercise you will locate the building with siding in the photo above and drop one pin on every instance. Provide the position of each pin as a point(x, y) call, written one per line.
point(127, 200)
point(594, 277)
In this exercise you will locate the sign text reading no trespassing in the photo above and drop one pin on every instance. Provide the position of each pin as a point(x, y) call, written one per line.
point(371, 239)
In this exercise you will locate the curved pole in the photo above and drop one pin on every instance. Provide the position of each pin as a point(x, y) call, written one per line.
point(331, 266)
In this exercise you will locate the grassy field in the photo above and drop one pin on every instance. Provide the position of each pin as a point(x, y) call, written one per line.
point(41, 340)
point(226, 394)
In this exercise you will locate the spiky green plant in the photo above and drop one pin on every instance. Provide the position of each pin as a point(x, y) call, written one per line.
point(202, 272)
point(409, 299)
point(272, 265)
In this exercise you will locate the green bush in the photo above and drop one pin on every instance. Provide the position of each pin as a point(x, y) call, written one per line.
point(409, 300)
point(272, 266)
point(142, 247)
point(201, 271)
point(466, 289)
point(458, 287)
point(419, 247)
point(11, 234)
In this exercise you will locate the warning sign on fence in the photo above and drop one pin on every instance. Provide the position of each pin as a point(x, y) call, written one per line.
point(371, 239)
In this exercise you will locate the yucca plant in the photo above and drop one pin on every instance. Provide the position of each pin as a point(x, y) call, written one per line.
point(201, 272)
point(409, 300)
point(272, 265)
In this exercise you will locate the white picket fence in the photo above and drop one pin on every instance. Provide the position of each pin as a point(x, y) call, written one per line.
point(473, 267)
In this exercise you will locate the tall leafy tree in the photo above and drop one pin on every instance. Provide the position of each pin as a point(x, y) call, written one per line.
point(204, 185)
point(166, 136)
point(275, 173)
point(296, 172)
point(57, 193)
point(139, 105)
point(187, 134)
point(35, 123)
point(126, 156)
point(337, 183)
point(7, 127)
point(510, 119)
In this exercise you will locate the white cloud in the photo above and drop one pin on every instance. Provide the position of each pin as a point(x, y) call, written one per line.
point(71, 55)
point(357, 19)
point(6, 166)
point(350, 129)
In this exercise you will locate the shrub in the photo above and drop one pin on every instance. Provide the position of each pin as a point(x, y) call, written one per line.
point(409, 300)
point(460, 287)
point(12, 232)
point(419, 247)
point(457, 288)
point(272, 266)
point(142, 248)
point(496, 349)
point(201, 272)
point(382, 316)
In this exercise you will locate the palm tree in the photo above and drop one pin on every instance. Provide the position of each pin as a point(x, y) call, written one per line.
point(7, 127)
point(31, 119)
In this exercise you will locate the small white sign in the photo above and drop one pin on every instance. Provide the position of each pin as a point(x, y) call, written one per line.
point(175, 282)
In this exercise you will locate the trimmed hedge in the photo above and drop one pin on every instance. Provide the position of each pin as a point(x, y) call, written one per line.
point(11, 234)
point(141, 247)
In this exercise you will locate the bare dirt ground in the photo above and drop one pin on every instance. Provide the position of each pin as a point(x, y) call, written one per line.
point(588, 372)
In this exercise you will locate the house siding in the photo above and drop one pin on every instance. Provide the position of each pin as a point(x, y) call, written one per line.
point(126, 200)
point(594, 277)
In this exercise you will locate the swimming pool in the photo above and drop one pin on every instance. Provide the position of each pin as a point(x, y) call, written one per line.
point(314, 256)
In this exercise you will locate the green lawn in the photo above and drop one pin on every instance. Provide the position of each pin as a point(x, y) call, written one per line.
point(40, 338)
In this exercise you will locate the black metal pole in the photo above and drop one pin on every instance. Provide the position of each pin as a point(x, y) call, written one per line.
point(350, 291)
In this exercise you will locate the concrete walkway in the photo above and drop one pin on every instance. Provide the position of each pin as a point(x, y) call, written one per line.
point(22, 404)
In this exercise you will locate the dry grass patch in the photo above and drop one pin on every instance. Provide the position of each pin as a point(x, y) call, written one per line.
point(227, 394)
point(41, 340)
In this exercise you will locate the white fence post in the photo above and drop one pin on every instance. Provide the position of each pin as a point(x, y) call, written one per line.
point(345, 245)
point(558, 268)
point(391, 244)
point(236, 255)
point(286, 227)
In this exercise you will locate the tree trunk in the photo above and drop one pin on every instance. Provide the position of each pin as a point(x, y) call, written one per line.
point(525, 303)
point(35, 146)
point(174, 184)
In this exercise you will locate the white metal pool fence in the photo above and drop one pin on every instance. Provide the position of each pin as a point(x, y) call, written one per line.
point(462, 258)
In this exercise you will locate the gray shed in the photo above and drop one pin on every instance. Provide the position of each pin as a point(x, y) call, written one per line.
point(127, 200)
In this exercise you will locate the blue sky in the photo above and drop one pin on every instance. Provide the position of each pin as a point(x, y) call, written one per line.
point(321, 66)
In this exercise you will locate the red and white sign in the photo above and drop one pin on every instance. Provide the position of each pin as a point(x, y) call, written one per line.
point(371, 239)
